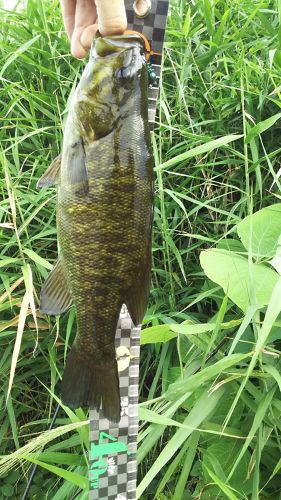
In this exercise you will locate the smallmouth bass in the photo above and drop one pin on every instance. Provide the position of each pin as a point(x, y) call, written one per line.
point(104, 217)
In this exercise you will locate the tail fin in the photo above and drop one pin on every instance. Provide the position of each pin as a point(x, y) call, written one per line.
point(87, 382)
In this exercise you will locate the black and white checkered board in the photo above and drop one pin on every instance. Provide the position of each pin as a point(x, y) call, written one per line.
point(113, 447)
point(113, 468)
point(153, 28)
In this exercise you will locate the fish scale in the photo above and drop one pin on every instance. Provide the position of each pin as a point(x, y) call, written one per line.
point(104, 217)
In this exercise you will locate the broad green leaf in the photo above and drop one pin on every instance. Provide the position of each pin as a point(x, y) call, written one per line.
point(25, 137)
point(199, 150)
point(156, 418)
point(231, 245)
point(219, 33)
point(177, 254)
point(65, 444)
point(183, 386)
point(243, 328)
point(160, 419)
point(164, 333)
point(155, 334)
point(18, 52)
point(8, 261)
point(177, 200)
point(209, 16)
point(276, 261)
point(28, 280)
point(16, 351)
point(261, 231)
point(36, 258)
point(13, 422)
point(58, 457)
point(219, 458)
point(72, 477)
point(232, 273)
point(192, 329)
point(186, 24)
point(229, 492)
point(197, 328)
point(262, 127)
point(274, 373)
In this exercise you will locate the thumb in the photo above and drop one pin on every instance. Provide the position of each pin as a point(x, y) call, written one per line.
point(112, 18)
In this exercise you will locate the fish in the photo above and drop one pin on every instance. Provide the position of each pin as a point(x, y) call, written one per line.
point(104, 179)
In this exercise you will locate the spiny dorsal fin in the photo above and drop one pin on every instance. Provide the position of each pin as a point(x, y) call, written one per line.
point(50, 177)
point(55, 295)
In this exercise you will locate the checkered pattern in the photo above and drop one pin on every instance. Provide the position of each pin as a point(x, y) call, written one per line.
point(153, 27)
point(118, 482)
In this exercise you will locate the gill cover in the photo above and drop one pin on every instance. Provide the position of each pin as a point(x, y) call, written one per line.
point(107, 83)
point(106, 93)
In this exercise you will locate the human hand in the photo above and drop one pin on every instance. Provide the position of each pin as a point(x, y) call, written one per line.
point(82, 18)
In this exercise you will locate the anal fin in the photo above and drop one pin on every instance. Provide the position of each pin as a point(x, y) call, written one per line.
point(55, 295)
point(137, 297)
point(49, 178)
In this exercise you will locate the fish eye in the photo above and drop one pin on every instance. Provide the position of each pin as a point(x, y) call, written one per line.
point(123, 74)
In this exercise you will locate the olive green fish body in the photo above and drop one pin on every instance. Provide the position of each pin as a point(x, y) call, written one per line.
point(104, 215)
point(105, 234)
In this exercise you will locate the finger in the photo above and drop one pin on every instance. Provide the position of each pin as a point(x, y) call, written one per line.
point(85, 16)
point(112, 17)
point(68, 14)
point(88, 36)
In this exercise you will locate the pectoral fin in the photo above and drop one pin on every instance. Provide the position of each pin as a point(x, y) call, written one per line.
point(50, 177)
point(76, 168)
point(55, 295)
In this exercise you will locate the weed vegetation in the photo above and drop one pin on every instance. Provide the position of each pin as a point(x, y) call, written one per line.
point(210, 381)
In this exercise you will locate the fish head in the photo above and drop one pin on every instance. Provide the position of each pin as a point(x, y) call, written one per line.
point(112, 83)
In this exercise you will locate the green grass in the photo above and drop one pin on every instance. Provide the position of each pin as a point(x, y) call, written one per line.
point(210, 361)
